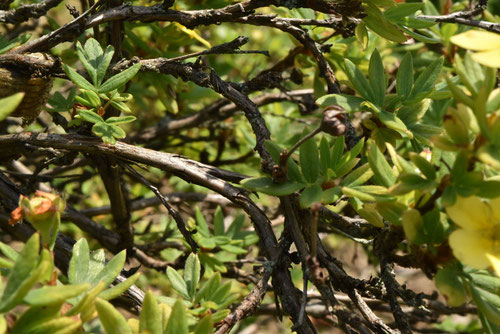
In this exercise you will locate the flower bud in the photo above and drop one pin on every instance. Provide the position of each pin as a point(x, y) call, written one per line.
point(43, 211)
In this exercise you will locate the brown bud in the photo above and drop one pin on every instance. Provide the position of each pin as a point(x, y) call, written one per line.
point(18, 73)
point(334, 121)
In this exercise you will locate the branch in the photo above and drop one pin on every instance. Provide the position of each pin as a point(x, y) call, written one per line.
point(189, 72)
point(26, 12)
point(249, 305)
point(465, 17)
point(141, 203)
point(181, 225)
point(189, 170)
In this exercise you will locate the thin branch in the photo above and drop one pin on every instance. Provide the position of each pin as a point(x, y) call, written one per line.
point(249, 304)
point(190, 72)
point(226, 48)
point(142, 203)
point(181, 225)
point(25, 12)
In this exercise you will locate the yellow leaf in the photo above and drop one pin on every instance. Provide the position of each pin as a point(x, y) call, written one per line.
point(477, 40)
point(193, 34)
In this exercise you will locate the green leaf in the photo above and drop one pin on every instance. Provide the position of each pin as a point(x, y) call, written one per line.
point(82, 55)
point(338, 149)
point(380, 167)
point(418, 23)
point(426, 80)
point(424, 166)
point(426, 36)
point(117, 132)
point(235, 228)
point(393, 122)
point(50, 295)
point(119, 288)
point(267, 186)
point(490, 312)
point(201, 223)
point(18, 286)
point(218, 222)
point(111, 319)
point(9, 104)
point(105, 131)
point(104, 63)
point(234, 249)
point(120, 106)
point(59, 103)
point(149, 315)
point(402, 10)
point(344, 168)
point(331, 195)
point(120, 120)
point(449, 283)
point(92, 97)
point(90, 116)
point(325, 155)
point(86, 303)
point(205, 325)
point(208, 287)
point(376, 76)
point(275, 151)
point(410, 182)
point(221, 294)
point(404, 79)
point(380, 25)
point(309, 160)
point(411, 114)
point(359, 176)
point(310, 195)
point(363, 195)
point(78, 79)
point(192, 272)
point(111, 270)
point(59, 325)
point(178, 283)
point(177, 323)
point(486, 281)
point(359, 81)
point(349, 102)
point(21, 275)
point(119, 79)
point(6, 45)
point(79, 263)
point(8, 252)
point(97, 263)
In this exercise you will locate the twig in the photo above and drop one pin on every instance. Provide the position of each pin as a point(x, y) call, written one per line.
point(226, 48)
point(177, 217)
point(26, 12)
point(465, 17)
point(141, 203)
point(62, 34)
point(249, 304)
point(213, 81)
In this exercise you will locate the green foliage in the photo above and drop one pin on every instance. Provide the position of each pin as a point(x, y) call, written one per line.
point(96, 62)
point(421, 163)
